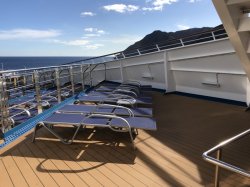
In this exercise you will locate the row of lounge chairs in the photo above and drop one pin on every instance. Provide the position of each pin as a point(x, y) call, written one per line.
point(107, 106)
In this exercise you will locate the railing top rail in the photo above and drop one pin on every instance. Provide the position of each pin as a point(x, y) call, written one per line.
point(171, 40)
point(222, 163)
point(40, 68)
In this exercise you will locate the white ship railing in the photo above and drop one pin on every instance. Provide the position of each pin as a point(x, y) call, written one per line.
point(198, 38)
point(17, 85)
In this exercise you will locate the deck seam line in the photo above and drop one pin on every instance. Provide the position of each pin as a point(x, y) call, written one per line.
point(98, 170)
point(31, 167)
point(47, 157)
point(19, 169)
point(125, 155)
point(39, 162)
point(80, 165)
point(7, 172)
point(66, 164)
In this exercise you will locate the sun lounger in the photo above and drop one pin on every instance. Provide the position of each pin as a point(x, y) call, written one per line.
point(115, 123)
point(119, 99)
point(127, 84)
point(107, 109)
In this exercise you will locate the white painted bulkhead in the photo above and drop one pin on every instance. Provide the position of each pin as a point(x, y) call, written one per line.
point(209, 69)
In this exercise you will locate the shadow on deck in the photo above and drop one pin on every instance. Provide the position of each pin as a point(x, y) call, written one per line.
point(170, 156)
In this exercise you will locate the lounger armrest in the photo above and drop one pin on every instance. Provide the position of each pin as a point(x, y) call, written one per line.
point(51, 98)
point(108, 117)
point(23, 110)
point(125, 91)
point(126, 102)
point(130, 112)
point(120, 96)
point(130, 87)
point(132, 82)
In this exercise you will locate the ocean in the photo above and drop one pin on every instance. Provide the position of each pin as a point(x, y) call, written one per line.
point(8, 63)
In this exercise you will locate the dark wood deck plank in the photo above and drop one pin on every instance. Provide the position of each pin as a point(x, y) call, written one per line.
point(4, 177)
point(15, 174)
point(34, 162)
point(61, 166)
point(170, 156)
point(74, 165)
point(46, 165)
point(31, 178)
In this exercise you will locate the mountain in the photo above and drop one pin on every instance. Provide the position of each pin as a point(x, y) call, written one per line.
point(169, 39)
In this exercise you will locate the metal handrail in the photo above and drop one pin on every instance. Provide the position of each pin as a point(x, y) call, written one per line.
point(219, 163)
point(39, 68)
point(105, 68)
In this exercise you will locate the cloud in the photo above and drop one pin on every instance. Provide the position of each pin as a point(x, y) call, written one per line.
point(92, 32)
point(183, 27)
point(163, 2)
point(193, 1)
point(80, 43)
point(125, 39)
point(28, 34)
point(72, 42)
point(121, 8)
point(90, 29)
point(156, 8)
point(157, 5)
point(94, 46)
point(92, 35)
point(84, 14)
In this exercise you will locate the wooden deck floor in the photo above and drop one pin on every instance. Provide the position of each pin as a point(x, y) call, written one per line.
point(171, 156)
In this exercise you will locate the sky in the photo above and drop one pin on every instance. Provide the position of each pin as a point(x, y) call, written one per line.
point(93, 27)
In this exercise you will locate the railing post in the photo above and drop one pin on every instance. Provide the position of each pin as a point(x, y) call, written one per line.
point(138, 51)
point(82, 78)
point(157, 47)
point(217, 169)
point(38, 95)
point(105, 71)
point(213, 35)
point(4, 105)
point(90, 76)
point(181, 42)
point(123, 55)
point(121, 70)
point(72, 79)
point(58, 85)
point(24, 84)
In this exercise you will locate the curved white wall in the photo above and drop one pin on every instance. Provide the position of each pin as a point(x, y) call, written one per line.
point(186, 69)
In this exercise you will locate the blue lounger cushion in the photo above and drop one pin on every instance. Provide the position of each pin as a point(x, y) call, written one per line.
point(144, 112)
point(136, 111)
point(97, 99)
point(75, 119)
point(60, 118)
point(135, 122)
point(85, 109)
point(79, 119)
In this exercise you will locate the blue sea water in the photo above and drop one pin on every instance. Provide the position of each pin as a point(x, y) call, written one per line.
point(30, 62)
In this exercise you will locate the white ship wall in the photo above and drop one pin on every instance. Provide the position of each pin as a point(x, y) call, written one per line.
point(209, 69)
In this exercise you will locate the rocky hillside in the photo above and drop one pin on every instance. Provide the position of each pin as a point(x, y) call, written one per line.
point(168, 38)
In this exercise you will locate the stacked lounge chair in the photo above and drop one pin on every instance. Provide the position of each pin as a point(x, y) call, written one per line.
point(116, 117)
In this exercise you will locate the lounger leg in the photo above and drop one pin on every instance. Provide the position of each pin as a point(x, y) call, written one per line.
point(34, 133)
point(51, 131)
point(131, 137)
point(78, 128)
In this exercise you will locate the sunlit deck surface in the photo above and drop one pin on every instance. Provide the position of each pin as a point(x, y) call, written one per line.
point(170, 156)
